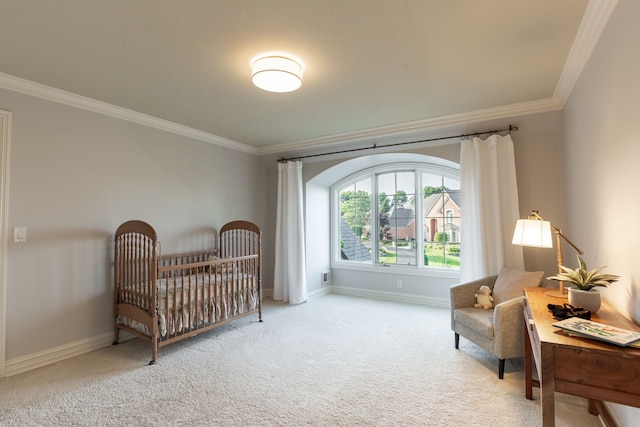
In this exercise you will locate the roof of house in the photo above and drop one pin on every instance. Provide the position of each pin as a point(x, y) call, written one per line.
point(401, 217)
point(352, 247)
point(430, 201)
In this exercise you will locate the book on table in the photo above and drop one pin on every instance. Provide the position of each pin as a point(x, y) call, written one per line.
point(599, 331)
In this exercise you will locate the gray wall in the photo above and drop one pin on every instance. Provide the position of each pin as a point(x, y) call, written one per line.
point(602, 150)
point(75, 176)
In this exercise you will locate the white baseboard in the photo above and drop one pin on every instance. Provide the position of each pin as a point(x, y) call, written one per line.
point(392, 296)
point(365, 293)
point(57, 354)
point(325, 290)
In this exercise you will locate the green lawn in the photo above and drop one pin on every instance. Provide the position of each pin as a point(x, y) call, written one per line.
point(435, 255)
point(437, 259)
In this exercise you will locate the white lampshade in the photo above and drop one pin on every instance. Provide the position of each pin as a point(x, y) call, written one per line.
point(533, 232)
point(276, 73)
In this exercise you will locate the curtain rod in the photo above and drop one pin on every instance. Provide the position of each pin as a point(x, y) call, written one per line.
point(463, 136)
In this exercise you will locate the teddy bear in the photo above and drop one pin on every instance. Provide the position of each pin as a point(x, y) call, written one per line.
point(484, 298)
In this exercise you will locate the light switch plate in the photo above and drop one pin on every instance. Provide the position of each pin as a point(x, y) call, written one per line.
point(19, 234)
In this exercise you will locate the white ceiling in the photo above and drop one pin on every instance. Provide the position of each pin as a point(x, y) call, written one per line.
point(371, 66)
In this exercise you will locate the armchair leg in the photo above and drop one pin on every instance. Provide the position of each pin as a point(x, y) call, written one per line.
point(457, 339)
point(501, 368)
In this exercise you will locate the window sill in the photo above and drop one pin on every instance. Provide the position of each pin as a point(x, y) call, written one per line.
point(408, 270)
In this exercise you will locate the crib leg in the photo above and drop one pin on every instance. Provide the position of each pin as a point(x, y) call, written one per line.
point(154, 352)
point(116, 335)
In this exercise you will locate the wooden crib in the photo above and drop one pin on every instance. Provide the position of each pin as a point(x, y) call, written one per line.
point(164, 299)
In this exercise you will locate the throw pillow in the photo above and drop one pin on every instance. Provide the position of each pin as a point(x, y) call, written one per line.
point(511, 282)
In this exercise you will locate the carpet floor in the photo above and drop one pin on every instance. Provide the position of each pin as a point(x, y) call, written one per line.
point(337, 361)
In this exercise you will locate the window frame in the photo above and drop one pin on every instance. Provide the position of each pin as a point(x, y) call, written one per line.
point(448, 216)
point(418, 168)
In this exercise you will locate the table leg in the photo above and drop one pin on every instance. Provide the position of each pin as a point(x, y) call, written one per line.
point(547, 387)
point(528, 365)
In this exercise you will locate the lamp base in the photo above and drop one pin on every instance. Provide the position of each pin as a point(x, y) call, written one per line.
point(557, 294)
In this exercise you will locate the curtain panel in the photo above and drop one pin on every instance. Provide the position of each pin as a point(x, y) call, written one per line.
point(290, 277)
point(490, 207)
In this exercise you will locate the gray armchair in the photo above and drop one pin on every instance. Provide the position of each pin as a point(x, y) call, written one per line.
point(499, 330)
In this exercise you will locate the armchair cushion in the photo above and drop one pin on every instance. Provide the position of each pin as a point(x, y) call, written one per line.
point(511, 282)
point(480, 321)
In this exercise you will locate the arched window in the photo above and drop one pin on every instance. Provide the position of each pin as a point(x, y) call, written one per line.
point(398, 214)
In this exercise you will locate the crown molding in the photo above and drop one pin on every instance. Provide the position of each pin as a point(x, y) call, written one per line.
point(420, 126)
point(593, 23)
point(49, 93)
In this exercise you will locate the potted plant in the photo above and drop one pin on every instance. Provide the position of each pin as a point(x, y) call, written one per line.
point(583, 294)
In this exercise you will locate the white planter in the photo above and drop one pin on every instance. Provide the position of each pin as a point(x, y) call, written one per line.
point(589, 300)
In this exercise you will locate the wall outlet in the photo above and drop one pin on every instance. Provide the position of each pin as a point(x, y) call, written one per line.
point(325, 277)
point(399, 284)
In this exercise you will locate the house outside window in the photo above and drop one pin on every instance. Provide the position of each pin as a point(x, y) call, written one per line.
point(441, 209)
point(377, 212)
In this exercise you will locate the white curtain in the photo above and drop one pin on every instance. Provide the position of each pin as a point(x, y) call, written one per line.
point(290, 276)
point(489, 207)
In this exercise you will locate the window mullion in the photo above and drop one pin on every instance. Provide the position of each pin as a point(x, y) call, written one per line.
point(419, 219)
point(375, 220)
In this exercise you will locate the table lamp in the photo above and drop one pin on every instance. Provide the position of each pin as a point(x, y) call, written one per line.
point(536, 232)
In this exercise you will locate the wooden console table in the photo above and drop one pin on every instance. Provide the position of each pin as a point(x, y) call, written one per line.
point(578, 366)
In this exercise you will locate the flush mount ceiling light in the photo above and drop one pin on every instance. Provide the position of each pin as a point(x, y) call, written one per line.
point(276, 73)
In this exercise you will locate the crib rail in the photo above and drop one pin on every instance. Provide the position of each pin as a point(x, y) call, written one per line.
point(196, 295)
point(185, 258)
